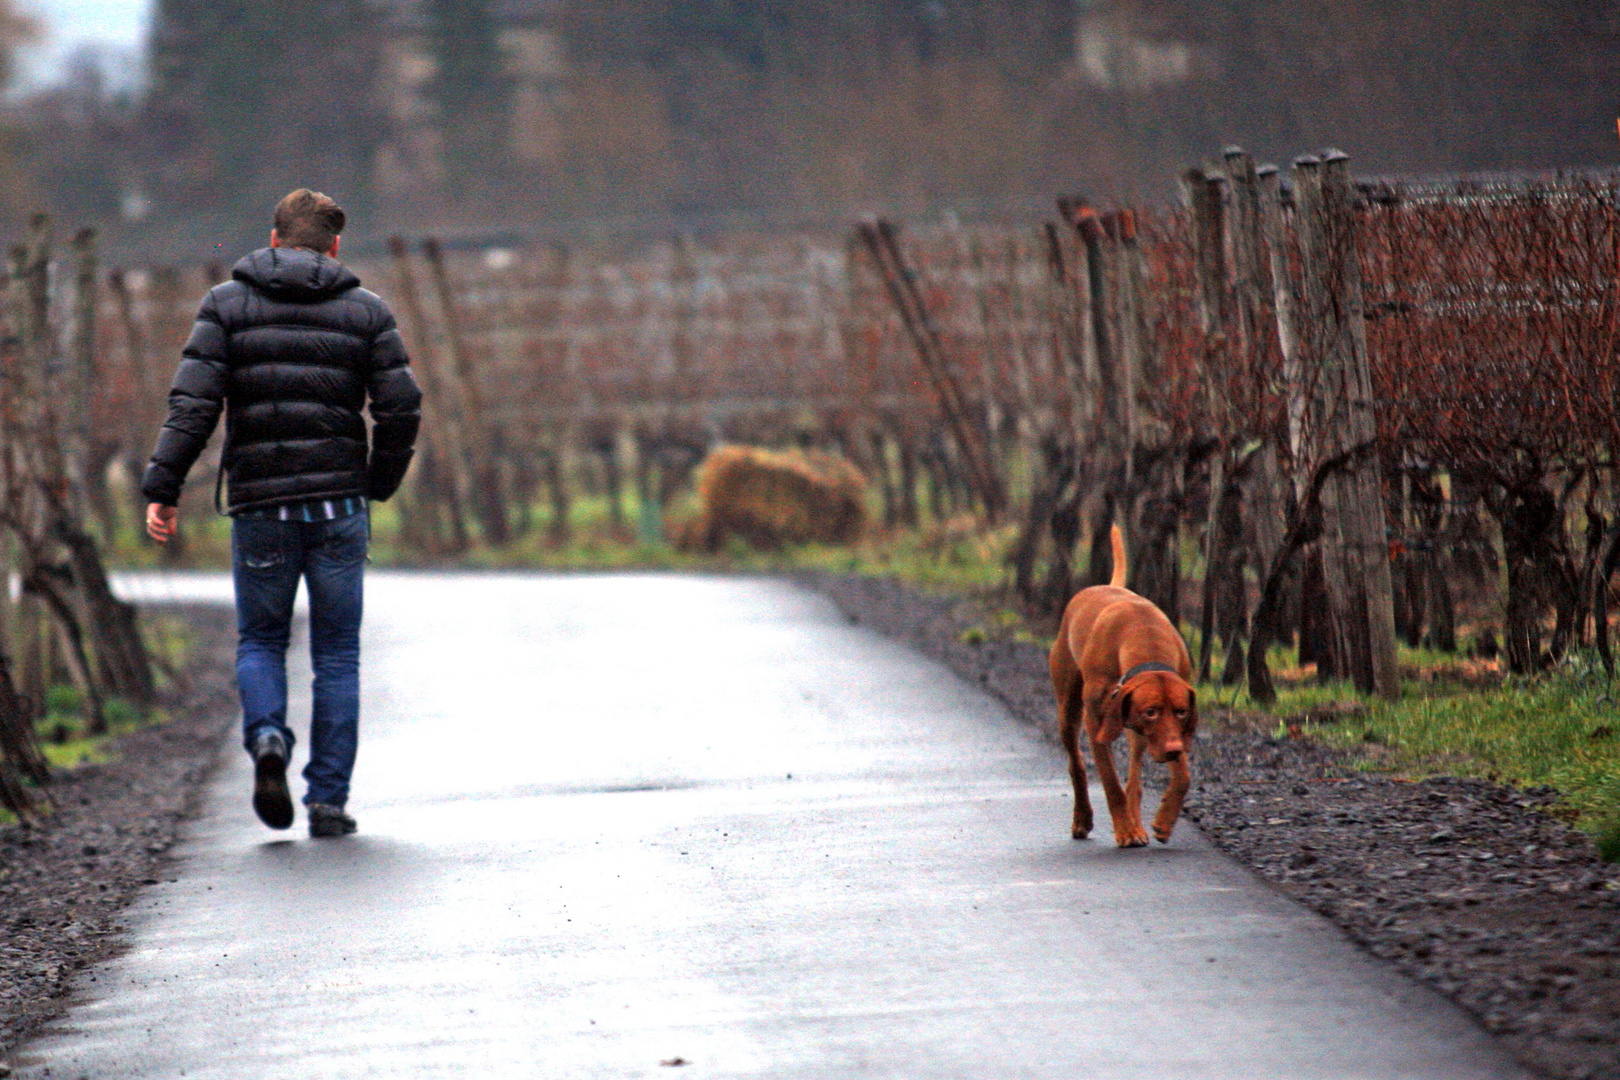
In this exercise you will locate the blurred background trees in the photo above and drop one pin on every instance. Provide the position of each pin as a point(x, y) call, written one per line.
point(503, 118)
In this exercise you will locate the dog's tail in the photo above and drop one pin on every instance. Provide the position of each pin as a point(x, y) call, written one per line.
point(1117, 540)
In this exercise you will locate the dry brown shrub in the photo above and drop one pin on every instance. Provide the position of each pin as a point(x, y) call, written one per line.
point(768, 498)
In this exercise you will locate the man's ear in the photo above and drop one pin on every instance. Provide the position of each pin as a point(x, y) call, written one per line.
point(1191, 726)
point(1116, 707)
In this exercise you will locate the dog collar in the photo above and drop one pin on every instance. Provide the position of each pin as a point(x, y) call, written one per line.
point(1139, 669)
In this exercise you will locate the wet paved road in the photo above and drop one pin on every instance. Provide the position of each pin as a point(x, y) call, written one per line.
point(614, 821)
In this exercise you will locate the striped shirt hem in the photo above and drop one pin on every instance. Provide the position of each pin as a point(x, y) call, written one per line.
point(309, 510)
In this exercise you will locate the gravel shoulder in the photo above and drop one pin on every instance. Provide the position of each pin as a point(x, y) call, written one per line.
point(65, 884)
point(1468, 886)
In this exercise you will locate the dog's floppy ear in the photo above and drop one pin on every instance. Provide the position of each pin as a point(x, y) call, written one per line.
point(1116, 707)
point(1191, 726)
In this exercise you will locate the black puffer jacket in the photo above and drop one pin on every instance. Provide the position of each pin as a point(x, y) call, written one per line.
point(292, 347)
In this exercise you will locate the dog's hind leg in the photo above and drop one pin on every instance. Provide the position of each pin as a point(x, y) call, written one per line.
point(1164, 822)
point(1066, 681)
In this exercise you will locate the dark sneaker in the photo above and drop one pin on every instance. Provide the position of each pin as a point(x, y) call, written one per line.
point(271, 799)
point(327, 820)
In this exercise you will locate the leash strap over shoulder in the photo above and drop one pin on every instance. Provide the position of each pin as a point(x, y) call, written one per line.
point(1139, 669)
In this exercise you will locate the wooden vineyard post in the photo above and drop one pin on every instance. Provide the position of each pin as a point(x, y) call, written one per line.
point(1306, 474)
point(1054, 438)
point(1251, 273)
point(20, 755)
point(1101, 368)
point(80, 370)
point(1355, 547)
point(1369, 529)
point(489, 498)
point(1130, 334)
point(43, 443)
point(901, 283)
point(36, 470)
point(112, 624)
point(1205, 195)
point(1263, 507)
point(1256, 295)
point(561, 465)
point(1104, 449)
point(1285, 309)
point(1322, 389)
point(1206, 199)
point(441, 427)
point(1110, 247)
point(1071, 315)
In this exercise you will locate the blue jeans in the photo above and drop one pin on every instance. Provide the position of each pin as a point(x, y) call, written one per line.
point(269, 557)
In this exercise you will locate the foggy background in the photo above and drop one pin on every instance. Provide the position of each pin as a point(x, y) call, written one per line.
point(505, 120)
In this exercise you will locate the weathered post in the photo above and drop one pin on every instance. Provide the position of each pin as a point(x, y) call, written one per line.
point(489, 500)
point(1264, 514)
point(1285, 308)
point(1205, 197)
point(80, 371)
point(901, 282)
point(441, 426)
point(1341, 421)
point(1345, 648)
point(1251, 273)
point(1097, 418)
point(1368, 528)
point(1128, 334)
point(39, 498)
point(20, 755)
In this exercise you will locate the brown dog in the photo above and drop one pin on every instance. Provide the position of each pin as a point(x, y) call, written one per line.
point(1120, 665)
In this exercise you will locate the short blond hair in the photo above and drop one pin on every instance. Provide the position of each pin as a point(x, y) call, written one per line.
point(308, 219)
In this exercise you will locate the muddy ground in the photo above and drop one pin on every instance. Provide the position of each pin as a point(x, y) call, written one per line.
point(65, 884)
point(1466, 885)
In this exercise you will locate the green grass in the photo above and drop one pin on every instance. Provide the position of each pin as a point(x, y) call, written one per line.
point(64, 730)
point(1561, 729)
point(64, 733)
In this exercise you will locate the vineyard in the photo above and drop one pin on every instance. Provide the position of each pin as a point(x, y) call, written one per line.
point(1326, 411)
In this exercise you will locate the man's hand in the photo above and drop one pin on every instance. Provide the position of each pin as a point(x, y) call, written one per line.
point(161, 521)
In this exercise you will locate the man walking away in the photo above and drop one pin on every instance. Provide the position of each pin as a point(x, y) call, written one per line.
point(292, 348)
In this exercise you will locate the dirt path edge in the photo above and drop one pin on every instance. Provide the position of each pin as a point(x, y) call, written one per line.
point(65, 884)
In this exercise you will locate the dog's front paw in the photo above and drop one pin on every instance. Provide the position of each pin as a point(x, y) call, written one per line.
point(1128, 838)
point(1080, 824)
point(1162, 834)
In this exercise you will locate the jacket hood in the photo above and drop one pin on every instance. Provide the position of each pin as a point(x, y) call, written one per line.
point(296, 274)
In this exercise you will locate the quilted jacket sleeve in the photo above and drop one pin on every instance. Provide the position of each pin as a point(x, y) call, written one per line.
point(195, 402)
point(396, 411)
